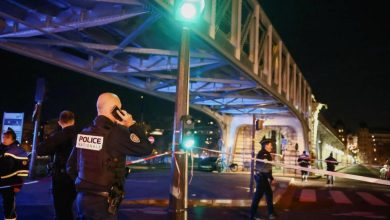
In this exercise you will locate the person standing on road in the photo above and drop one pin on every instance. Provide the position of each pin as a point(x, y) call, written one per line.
point(60, 143)
point(264, 179)
point(331, 163)
point(387, 171)
point(304, 161)
point(97, 163)
point(13, 166)
point(383, 171)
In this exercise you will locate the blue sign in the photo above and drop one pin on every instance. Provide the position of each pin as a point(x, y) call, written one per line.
point(15, 122)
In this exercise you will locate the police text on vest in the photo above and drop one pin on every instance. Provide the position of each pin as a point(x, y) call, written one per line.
point(89, 142)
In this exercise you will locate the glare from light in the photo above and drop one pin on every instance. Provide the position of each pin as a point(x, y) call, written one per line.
point(189, 143)
point(188, 11)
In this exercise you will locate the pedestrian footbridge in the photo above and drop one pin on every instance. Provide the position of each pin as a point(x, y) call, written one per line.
point(240, 69)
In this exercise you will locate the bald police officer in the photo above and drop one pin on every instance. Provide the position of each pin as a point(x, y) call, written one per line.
point(98, 160)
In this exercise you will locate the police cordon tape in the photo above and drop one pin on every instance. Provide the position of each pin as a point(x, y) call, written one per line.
point(324, 172)
point(313, 170)
point(325, 161)
point(280, 155)
point(127, 163)
point(147, 158)
point(26, 183)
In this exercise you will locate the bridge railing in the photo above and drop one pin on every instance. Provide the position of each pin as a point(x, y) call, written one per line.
point(241, 31)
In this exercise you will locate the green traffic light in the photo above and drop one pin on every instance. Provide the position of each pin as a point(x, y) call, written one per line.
point(188, 11)
point(189, 143)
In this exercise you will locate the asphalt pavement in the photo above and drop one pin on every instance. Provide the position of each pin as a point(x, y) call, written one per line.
point(223, 196)
point(211, 196)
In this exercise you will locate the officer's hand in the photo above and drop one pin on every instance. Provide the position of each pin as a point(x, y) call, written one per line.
point(127, 119)
point(273, 182)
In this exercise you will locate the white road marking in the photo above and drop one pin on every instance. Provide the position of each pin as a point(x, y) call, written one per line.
point(339, 197)
point(372, 199)
point(308, 195)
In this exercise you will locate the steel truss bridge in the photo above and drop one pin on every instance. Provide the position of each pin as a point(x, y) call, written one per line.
point(238, 63)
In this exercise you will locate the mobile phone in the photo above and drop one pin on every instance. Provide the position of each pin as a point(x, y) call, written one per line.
point(115, 114)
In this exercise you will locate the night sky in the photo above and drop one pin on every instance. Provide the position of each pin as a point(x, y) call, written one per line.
point(342, 48)
point(68, 90)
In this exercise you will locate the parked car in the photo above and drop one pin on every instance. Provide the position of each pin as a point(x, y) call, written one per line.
point(215, 163)
point(208, 164)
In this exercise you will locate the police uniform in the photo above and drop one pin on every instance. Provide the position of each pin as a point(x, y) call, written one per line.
point(60, 144)
point(98, 164)
point(304, 161)
point(263, 177)
point(331, 163)
point(13, 166)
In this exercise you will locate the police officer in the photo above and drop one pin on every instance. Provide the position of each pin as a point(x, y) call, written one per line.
point(98, 160)
point(264, 178)
point(13, 166)
point(60, 144)
point(304, 161)
point(331, 163)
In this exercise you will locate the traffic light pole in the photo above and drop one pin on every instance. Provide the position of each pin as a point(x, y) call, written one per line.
point(39, 97)
point(33, 158)
point(178, 194)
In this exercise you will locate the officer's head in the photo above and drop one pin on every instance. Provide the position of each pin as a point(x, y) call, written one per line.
point(266, 144)
point(9, 137)
point(66, 119)
point(106, 102)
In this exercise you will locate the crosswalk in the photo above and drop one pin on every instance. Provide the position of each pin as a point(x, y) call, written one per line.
point(339, 197)
point(371, 199)
point(342, 197)
point(308, 195)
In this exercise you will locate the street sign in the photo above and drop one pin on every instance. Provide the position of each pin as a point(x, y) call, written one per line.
point(14, 121)
point(151, 139)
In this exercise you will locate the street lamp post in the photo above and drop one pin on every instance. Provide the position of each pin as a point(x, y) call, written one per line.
point(186, 11)
point(178, 194)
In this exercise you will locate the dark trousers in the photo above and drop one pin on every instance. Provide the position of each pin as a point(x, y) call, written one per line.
point(263, 186)
point(93, 207)
point(304, 174)
point(9, 202)
point(64, 194)
point(329, 178)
